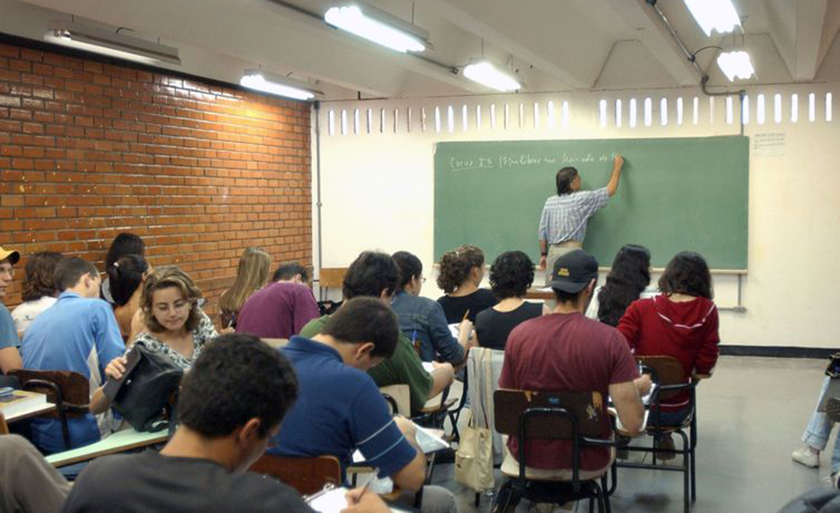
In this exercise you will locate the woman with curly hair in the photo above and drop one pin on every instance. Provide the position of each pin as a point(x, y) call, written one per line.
point(682, 322)
point(510, 277)
point(627, 281)
point(177, 327)
point(39, 292)
point(460, 275)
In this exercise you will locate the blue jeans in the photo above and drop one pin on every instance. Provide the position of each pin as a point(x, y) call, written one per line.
point(819, 429)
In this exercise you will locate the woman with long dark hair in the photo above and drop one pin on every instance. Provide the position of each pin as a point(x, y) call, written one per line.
point(627, 281)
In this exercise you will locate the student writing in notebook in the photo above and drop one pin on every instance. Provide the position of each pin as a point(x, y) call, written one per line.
point(340, 409)
point(375, 274)
point(229, 407)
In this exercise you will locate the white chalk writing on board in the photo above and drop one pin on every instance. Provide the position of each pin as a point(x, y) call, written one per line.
point(522, 160)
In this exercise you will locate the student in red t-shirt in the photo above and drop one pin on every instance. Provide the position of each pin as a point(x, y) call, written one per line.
point(681, 322)
point(567, 351)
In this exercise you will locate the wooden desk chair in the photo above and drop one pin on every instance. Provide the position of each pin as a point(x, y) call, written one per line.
point(4, 428)
point(331, 278)
point(69, 391)
point(667, 372)
point(578, 417)
point(306, 475)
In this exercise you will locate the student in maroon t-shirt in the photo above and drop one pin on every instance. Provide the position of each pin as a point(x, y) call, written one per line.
point(281, 309)
point(565, 351)
point(681, 322)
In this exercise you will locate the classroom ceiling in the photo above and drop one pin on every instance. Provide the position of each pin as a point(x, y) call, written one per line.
point(553, 45)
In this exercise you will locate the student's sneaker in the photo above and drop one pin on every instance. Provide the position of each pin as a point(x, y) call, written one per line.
point(805, 456)
point(665, 442)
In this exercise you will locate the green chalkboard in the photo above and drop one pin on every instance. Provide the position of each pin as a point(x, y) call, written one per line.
point(675, 194)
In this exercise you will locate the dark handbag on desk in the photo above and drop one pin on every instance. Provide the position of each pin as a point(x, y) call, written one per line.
point(145, 396)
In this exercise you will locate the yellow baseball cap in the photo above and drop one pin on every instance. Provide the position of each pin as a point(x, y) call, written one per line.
point(11, 256)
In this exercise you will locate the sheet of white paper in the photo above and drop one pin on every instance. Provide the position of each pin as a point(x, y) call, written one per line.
point(332, 501)
point(428, 367)
point(454, 329)
point(428, 441)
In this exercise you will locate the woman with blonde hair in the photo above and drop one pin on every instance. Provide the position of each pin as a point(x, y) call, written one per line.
point(251, 276)
point(177, 327)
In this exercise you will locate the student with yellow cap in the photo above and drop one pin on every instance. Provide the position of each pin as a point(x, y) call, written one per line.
point(9, 342)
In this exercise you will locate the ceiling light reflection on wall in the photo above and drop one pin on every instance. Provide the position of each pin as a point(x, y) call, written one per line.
point(92, 39)
point(712, 15)
point(266, 82)
point(736, 65)
point(486, 74)
point(378, 26)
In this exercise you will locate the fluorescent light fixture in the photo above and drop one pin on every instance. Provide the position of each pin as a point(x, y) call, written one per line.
point(378, 26)
point(266, 82)
point(736, 65)
point(712, 15)
point(486, 74)
point(105, 42)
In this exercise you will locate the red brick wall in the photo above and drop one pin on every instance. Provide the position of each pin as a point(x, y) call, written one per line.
point(200, 171)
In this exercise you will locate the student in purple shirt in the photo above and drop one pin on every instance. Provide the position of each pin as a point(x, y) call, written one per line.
point(279, 310)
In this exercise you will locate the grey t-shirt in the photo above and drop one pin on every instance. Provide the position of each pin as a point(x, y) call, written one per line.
point(152, 482)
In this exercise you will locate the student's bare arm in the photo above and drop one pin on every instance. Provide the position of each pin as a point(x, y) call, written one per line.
point(615, 177)
point(625, 396)
point(443, 376)
point(411, 476)
point(10, 359)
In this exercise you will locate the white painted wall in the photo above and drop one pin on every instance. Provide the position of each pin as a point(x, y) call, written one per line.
point(377, 188)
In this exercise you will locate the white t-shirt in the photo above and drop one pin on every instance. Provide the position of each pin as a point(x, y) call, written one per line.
point(592, 311)
point(25, 313)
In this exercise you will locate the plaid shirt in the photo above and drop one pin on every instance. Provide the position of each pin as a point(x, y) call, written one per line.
point(564, 217)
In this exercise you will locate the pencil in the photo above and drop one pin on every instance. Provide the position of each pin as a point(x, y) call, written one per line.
point(466, 314)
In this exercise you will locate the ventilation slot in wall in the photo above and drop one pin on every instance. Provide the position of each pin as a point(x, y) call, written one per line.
point(760, 108)
point(794, 108)
point(829, 105)
point(618, 114)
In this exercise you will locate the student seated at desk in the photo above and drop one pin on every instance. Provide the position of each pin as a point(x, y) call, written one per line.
point(177, 329)
point(229, 408)
point(627, 281)
point(281, 309)
point(340, 409)
point(126, 278)
point(460, 275)
point(681, 322)
point(375, 274)
point(123, 244)
point(423, 319)
point(251, 276)
point(28, 484)
point(9, 341)
point(78, 333)
point(511, 274)
point(565, 351)
point(39, 292)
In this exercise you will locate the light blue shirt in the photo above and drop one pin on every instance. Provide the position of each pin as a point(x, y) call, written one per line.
point(564, 217)
point(75, 334)
point(8, 334)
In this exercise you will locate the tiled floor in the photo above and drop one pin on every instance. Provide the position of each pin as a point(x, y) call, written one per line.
point(752, 413)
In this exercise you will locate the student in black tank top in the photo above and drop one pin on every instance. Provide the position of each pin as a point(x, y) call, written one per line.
point(460, 275)
point(510, 277)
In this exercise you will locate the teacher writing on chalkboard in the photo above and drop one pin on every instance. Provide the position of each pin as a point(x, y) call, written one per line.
point(564, 216)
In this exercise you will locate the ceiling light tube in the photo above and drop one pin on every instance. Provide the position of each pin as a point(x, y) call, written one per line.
point(92, 39)
point(712, 15)
point(266, 82)
point(378, 26)
point(736, 65)
point(488, 75)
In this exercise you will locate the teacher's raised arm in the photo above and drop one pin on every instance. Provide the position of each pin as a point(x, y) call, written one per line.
point(564, 216)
